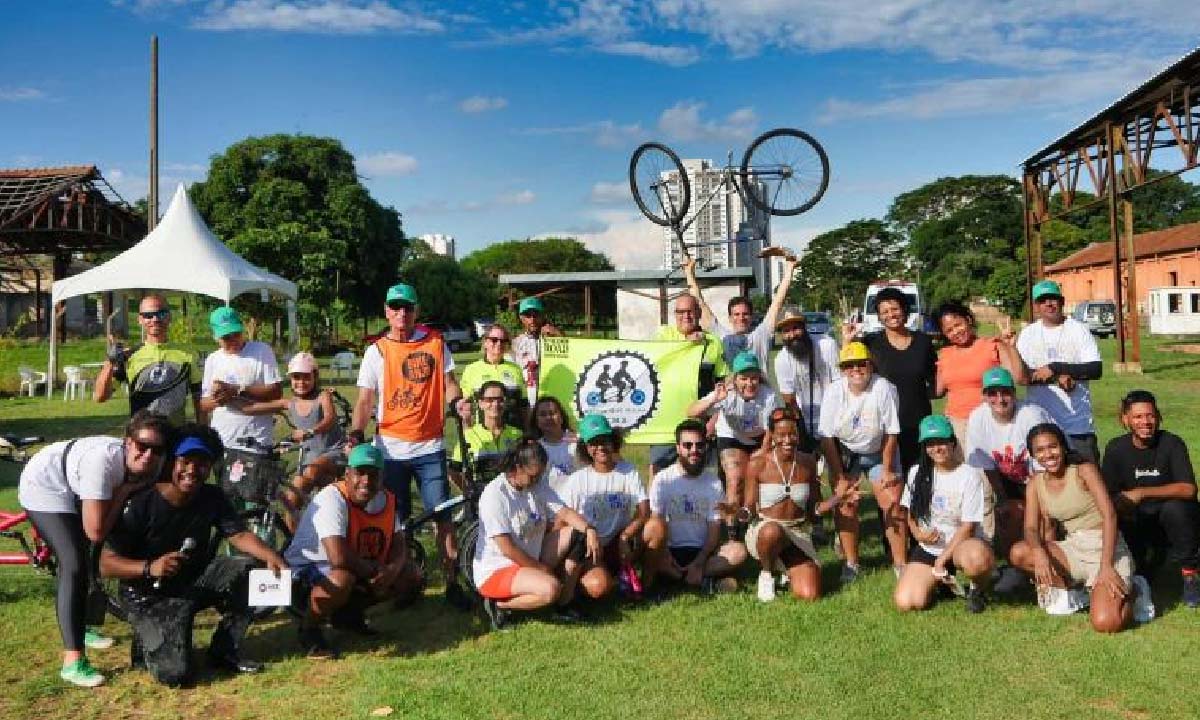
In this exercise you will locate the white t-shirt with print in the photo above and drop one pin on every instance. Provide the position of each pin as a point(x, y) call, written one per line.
point(991, 445)
point(741, 419)
point(860, 421)
point(561, 454)
point(370, 376)
point(757, 341)
point(254, 365)
point(957, 499)
point(1072, 343)
point(328, 515)
point(95, 466)
point(607, 500)
point(792, 376)
point(688, 504)
point(523, 515)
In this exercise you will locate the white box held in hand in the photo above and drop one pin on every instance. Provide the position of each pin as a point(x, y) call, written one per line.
point(266, 590)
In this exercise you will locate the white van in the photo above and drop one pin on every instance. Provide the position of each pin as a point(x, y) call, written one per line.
point(916, 306)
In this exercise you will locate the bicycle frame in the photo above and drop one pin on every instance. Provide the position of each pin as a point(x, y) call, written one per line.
point(38, 555)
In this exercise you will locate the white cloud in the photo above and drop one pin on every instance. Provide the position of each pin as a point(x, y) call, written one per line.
point(674, 55)
point(19, 94)
point(316, 16)
point(387, 164)
point(482, 103)
point(605, 193)
point(682, 122)
point(605, 133)
point(523, 197)
point(629, 240)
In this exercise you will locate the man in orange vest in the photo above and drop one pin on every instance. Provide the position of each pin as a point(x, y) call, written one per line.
point(350, 551)
point(407, 380)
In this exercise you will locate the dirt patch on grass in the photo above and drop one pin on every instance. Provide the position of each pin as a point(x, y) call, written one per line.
point(1113, 705)
point(1190, 348)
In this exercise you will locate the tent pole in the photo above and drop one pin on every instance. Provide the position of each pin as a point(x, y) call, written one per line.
point(52, 364)
point(293, 331)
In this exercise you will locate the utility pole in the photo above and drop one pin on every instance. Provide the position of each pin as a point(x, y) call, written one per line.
point(152, 196)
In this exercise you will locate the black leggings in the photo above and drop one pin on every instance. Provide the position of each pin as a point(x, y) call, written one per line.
point(63, 532)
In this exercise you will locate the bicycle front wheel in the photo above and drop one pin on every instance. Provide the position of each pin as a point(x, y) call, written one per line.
point(785, 171)
point(659, 184)
point(467, 535)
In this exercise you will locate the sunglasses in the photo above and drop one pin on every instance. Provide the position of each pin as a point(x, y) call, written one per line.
point(152, 314)
point(151, 447)
point(491, 398)
point(492, 339)
point(400, 305)
point(601, 441)
point(697, 445)
point(685, 312)
point(855, 364)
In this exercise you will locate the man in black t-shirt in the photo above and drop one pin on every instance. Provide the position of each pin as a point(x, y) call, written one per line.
point(1149, 474)
point(161, 548)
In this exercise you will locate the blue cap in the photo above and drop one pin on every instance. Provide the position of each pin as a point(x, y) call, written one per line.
point(192, 444)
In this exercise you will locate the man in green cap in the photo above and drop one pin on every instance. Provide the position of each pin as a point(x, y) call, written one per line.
point(1062, 357)
point(527, 348)
point(239, 372)
point(407, 381)
point(349, 551)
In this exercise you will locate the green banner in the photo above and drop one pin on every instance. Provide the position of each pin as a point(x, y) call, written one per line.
point(642, 387)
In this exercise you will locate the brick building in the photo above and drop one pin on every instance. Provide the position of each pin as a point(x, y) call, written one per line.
point(1165, 258)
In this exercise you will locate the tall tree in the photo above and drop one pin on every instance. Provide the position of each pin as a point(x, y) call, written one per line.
point(838, 265)
point(449, 291)
point(551, 254)
point(294, 204)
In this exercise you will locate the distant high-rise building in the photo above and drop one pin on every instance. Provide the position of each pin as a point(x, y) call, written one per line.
point(725, 232)
point(440, 244)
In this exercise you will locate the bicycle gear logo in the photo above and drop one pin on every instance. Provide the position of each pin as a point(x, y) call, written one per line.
point(621, 385)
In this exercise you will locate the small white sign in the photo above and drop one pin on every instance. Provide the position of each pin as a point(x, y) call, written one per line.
point(266, 590)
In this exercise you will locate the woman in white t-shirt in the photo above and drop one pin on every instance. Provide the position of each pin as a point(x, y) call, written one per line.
point(73, 493)
point(608, 491)
point(521, 562)
point(944, 498)
point(743, 410)
point(859, 432)
point(548, 423)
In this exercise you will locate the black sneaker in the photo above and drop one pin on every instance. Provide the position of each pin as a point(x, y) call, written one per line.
point(1191, 590)
point(314, 644)
point(567, 615)
point(354, 621)
point(456, 597)
point(498, 616)
point(976, 600)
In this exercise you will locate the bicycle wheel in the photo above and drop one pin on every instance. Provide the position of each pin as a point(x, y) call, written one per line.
point(785, 171)
point(466, 537)
point(417, 556)
point(659, 184)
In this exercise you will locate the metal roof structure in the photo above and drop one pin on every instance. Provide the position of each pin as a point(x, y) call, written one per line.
point(616, 276)
point(53, 211)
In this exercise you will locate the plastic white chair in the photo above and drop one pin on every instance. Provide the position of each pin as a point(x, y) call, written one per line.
point(342, 361)
point(77, 383)
point(30, 379)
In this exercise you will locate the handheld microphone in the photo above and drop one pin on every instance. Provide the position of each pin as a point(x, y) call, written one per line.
point(189, 544)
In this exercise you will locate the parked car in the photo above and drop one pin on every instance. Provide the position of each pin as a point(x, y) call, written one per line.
point(818, 323)
point(1100, 316)
point(482, 325)
point(916, 305)
point(458, 336)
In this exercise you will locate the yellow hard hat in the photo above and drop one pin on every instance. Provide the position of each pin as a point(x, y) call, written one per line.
point(854, 352)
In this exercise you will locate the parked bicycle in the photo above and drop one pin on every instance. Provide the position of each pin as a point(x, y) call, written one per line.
point(784, 172)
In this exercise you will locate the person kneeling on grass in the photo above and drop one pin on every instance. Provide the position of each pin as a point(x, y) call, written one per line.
point(349, 552)
point(1093, 552)
point(521, 563)
point(945, 501)
point(161, 549)
point(783, 487)
point(683, 534)
point(608, 491)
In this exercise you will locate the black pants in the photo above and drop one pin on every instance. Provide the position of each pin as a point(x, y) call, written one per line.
point(162, 625)
point(1158, 525)
point(63, 532)
point(1086, 446)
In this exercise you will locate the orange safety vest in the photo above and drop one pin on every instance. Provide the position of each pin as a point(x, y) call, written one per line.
point(414, 388)
point(370, 535)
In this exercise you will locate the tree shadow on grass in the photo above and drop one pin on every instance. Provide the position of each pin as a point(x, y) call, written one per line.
point(52, 429)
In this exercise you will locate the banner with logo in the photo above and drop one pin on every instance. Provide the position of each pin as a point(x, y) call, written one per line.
point(642, 387)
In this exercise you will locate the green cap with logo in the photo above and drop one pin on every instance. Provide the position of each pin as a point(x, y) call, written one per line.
point(745, 361)
point(225, 321)
point(935, 427)
point(530, 304)
point(593, 426)
point(365, 455)
point(998, 377)
point(1046, 288)
point(402, 292)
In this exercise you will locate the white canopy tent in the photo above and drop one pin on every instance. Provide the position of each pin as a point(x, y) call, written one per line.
point(181, 254)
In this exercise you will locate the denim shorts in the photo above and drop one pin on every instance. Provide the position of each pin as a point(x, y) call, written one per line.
point(870, 464)
point(430, 473)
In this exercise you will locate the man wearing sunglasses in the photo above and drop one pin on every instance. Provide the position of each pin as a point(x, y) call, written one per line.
point(407, 381)
point(160, 377)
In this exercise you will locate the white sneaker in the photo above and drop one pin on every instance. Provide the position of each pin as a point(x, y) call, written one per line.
point(766, 587)
point(783, 581)
point(1060, 601)
point(1143, 603)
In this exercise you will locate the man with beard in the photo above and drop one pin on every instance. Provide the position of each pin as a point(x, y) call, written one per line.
point(804, 369)
point(683, 534)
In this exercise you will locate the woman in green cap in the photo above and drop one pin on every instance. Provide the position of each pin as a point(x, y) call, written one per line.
point(944, 499)
point(607, 490)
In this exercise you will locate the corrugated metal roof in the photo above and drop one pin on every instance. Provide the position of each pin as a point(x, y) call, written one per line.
point(1180, 238)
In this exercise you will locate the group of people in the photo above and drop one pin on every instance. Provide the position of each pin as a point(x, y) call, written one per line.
point(564, 518)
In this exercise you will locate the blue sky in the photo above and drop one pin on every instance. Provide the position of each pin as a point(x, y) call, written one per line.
point(492, 120)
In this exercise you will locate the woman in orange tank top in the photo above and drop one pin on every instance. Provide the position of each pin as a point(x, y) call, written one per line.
point(965, 357)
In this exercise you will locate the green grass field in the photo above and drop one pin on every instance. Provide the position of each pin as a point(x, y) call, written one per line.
point(848, 656)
